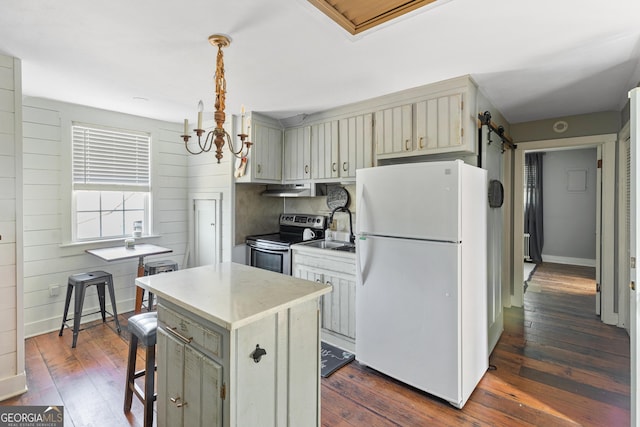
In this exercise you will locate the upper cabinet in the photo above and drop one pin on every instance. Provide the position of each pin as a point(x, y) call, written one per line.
point(394, 128)
point(356, 144)
point(434, 119)
point(439, 124)
point(265, 156)
point(297, 154)
point(440, 119)
point(324, 151)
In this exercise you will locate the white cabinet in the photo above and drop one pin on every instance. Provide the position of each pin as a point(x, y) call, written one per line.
point(207, 375)
point(356, 144)
point(189, 384)
point(265, 156)
point(394, 130)
point(439, 124)
point(338, 307)
point(436, 119)
point(297, 154)
point(324, 150)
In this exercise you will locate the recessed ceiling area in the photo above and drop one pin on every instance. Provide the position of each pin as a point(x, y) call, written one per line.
point(357, 16)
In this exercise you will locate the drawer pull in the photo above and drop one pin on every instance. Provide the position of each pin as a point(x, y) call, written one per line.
point(344, 166)
point(178, 335)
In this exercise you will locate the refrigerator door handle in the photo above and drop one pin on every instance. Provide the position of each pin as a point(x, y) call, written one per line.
point(360, 203)
point(362, 253)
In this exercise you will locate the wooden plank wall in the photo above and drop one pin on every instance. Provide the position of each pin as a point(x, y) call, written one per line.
point(12, 378)
point(48, 258)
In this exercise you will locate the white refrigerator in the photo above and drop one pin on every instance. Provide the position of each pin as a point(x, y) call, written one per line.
point(421, 295)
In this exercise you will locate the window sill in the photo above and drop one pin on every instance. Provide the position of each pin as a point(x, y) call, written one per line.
point(106, 242)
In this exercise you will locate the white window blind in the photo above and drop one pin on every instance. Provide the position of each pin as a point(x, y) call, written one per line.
point(110, 159)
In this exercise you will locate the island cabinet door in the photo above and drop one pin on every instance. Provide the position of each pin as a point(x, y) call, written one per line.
point(188, 385)
point(170, 362)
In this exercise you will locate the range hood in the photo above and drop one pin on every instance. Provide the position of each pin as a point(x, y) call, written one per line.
point(290, 190)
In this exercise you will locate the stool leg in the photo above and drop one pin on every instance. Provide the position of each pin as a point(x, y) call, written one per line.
point(150, 302)
point(113, 304)
point(100, 287)
point(149, 388)
point(139, 296)
point(131, 371)
point(77, 311)
point(66, 307)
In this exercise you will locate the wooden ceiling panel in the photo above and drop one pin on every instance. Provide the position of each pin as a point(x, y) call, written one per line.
point(356, 16)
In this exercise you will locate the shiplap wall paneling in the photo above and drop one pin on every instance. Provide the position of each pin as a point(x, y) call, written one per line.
point(12, 373)
point(49, 259)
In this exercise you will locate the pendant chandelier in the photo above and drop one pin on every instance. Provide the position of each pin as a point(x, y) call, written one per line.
point(218, 135)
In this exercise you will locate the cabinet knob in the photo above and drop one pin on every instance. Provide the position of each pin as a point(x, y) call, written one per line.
point(258, 353)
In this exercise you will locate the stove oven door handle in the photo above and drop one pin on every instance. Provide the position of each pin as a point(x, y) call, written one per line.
point(269, 250)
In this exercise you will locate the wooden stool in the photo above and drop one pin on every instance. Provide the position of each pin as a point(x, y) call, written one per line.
point(143, 328)
point(80, 282)
point(156, 267)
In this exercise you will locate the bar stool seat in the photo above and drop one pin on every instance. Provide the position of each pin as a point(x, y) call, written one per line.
point(80, 282)
point(155, 267)
point(143, 328)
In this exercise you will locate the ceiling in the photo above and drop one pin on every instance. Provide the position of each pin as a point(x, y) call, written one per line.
point(533, 60)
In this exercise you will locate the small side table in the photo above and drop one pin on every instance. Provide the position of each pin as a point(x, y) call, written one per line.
point(139, 251)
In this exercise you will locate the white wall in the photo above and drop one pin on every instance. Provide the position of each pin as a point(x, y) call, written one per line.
point(205, 175)
point(569, 214)
point(12, 374)
point(49, 258)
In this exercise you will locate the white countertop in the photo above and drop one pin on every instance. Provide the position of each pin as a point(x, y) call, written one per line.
point(231, 295)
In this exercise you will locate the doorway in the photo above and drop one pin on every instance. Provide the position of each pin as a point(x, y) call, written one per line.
point(204, 229)
point(605, 256)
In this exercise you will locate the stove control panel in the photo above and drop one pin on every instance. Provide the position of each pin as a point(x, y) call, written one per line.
point(318, 222)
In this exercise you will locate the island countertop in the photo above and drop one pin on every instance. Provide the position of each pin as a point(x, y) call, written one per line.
point(231, 295)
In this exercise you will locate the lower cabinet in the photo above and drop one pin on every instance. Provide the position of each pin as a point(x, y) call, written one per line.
point(263, 373)
point(338, 314)
point(189, 385)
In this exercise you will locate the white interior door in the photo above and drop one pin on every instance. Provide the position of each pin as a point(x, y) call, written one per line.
point(492, 162)
point(635, 241)
point(204, 214)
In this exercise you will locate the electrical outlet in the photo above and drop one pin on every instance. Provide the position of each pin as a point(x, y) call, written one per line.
point(54, 290)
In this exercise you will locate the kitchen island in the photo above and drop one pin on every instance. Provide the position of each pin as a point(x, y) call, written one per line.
point(237, 346)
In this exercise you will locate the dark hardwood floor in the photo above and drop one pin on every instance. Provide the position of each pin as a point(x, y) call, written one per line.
point(556, 365)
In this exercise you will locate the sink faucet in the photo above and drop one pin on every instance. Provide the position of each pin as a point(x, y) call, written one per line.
point(352, 237)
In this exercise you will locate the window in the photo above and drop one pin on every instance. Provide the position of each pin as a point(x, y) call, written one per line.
point(111, 185)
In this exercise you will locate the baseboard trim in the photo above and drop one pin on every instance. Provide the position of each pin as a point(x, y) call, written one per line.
point(13, 386)
point(585, 262)
point(51, 324)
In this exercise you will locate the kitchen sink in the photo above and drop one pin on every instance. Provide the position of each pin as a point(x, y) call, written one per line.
point(346, 248)
point(324, 244)
point(332, 245)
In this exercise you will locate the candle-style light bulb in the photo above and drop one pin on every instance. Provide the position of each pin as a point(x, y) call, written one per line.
point(186, 127)
point(200, 109)
point(242, 119)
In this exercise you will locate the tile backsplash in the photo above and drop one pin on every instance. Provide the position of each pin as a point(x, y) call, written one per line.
point(255, 214)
